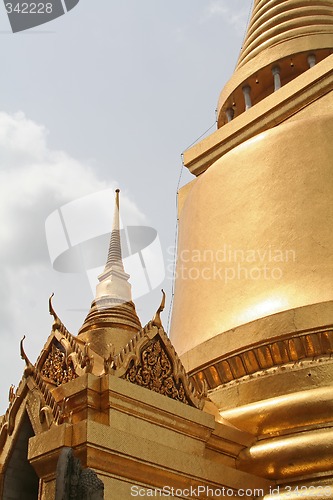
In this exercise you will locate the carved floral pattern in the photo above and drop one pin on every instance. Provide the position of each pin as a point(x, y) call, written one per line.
point(56, 369)
point(155, 372)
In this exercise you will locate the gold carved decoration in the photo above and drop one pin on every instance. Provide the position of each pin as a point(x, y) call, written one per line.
point(48, 403)
point(78, 358)
point(155, 373)
point(11, 395)
point(7, 423)
point(109, 363)
point(56, 368)
point(150, 360)
point(61, 361)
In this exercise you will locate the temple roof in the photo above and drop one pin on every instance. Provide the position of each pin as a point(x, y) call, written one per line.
point(148, 360)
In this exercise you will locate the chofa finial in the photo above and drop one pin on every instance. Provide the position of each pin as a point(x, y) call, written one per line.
point(156, 321)
point(52, 311)
point(29, 366)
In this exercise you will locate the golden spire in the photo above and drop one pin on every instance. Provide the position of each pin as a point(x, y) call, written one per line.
point(283, 40)
point(114, 254)
point(112, 316)
point(113, 282)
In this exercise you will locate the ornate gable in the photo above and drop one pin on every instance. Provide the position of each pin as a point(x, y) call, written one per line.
point(34, 397)
point(62, 359)
point(150, 360)
point(65, 357)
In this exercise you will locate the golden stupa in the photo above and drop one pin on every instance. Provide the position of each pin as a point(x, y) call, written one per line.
point(238, 403)
point(253, 308)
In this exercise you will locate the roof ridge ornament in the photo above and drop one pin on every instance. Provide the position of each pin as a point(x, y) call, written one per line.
point(52, 311)
point(29, 366)
point(156, 321)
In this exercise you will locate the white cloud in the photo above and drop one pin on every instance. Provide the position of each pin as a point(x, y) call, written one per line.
point(21, 139)
point(35, 181)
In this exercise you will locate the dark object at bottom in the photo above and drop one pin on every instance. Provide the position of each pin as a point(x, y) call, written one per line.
point(75, 483)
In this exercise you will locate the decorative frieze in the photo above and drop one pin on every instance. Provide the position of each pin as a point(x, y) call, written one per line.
point(283, 351)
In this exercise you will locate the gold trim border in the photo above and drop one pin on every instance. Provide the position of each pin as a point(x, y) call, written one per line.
point(305, 345)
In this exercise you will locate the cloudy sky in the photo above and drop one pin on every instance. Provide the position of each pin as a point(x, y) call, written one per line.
point(108, 95)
